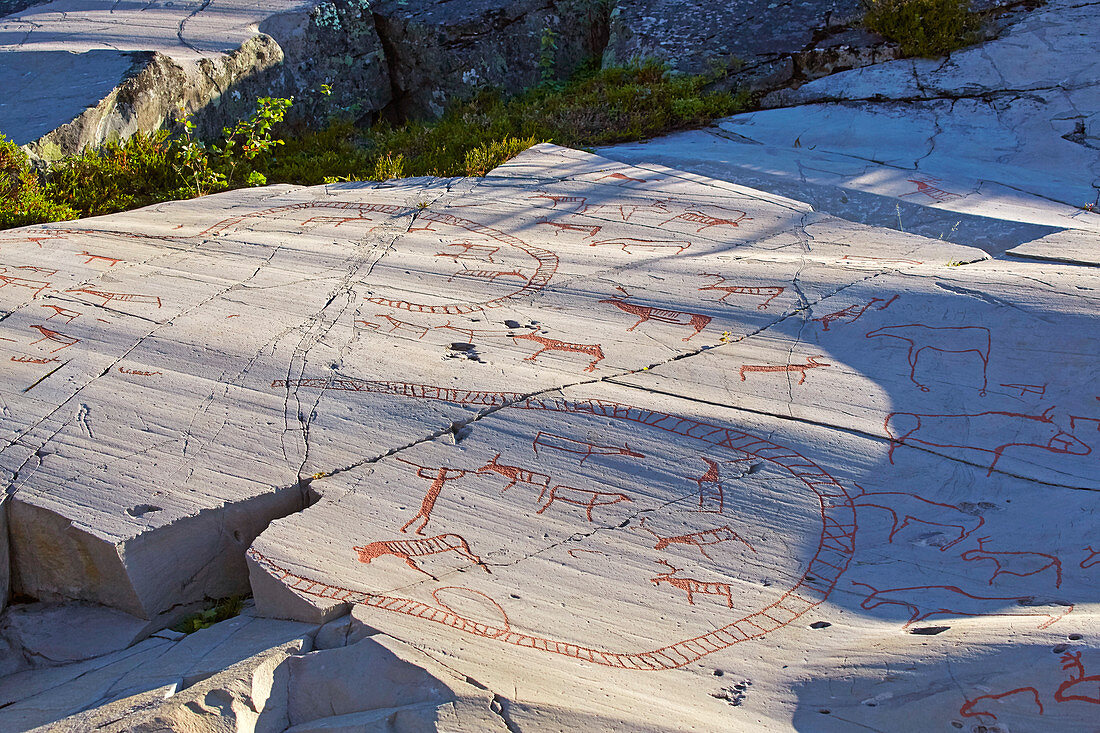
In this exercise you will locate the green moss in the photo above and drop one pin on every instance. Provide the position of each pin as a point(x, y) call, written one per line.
point(924, 27)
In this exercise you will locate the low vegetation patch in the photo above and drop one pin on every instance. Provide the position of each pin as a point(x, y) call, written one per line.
point(215, 611)
point(596, 107)
point(22, 198)
point(927, 28)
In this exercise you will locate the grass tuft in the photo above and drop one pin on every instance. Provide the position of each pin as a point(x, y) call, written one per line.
point(928, 28)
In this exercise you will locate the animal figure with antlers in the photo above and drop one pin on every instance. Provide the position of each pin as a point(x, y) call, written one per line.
point(692, 586)
point(408, 549)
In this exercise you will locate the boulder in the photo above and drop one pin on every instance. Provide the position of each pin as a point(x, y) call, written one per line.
point(90, 84)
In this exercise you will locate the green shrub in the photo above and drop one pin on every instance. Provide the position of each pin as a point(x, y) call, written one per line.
point(215, 611)
point(22, 199)
point(923, 27)
point(597, 107)
point(119, 176)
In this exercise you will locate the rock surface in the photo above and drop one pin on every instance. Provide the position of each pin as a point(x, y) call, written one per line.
point(587, 444)
point(623, 446)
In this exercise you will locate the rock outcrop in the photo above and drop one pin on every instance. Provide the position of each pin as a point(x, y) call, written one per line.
point(770, 437)
point(594, 442)
point(77, 82)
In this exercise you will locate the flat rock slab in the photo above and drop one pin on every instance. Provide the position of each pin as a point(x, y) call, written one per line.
point(578, 427)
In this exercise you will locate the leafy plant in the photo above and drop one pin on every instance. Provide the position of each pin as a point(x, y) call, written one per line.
point(548, 48)
point(249, 139)
point(215, 611)
point(923, 27)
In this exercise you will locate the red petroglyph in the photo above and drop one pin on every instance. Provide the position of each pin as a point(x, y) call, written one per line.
point(772, 291)
point(398, 325)
point(120, 297)
point(1074, 419)
point(698, 539)
point(21, 282)
point(578, 201)
point(862, 258)
point(31, 360)
point(439, 476)
point(811, 363)
point(470, 332)
point(470, 251)
point(985, 430)
point(945, 339)
point(546, 344)
point(549, 344)
point(626, 209)
point(515, 475)
point(408, 549)
point(828, 562)
point(1078, 687)
point(693, 587)
point(489, 275)
point(573, 553)
point(694, 216)
point(924, 601)
point(852, 313)
point(968, 709)
point(583, 497)
point(335, 220)
point(580, 447)
point(56, 337)
point(1039, 389)
point(482, 629)
point(235, 315)
point(1093, 558)
point(905, 508)
point(546, 267)
point(137, 373)
point(40, 270)
point(1020, 564)
point(631, 245)
point(111, 261)
point(622, 177)
point(928, 188)
point(589, 230)
point(544, 271)
point(662, 315)
point(712, 497)
point(59, 312)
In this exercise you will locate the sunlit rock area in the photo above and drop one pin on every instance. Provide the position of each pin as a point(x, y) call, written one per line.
point(790, 423)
